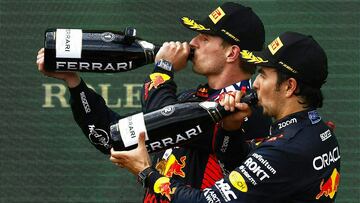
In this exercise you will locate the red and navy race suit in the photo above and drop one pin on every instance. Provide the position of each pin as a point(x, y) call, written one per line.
point(204, 161)
point(195, 164)
point(299, 162)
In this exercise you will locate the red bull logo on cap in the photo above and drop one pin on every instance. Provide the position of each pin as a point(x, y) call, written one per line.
point(330, 187)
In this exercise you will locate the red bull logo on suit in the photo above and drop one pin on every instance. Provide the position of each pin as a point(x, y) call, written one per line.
point(330, 187)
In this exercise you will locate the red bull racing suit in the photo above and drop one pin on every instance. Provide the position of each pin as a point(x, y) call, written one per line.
point(197, 163)
point(298, 162)
point(204, 161)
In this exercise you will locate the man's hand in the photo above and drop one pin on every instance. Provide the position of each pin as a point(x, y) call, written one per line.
point(135, 160)
point(231, 102)
point(71, 78)
point(174, 52)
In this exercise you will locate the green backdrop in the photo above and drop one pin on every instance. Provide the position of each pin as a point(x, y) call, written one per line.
point(45, 157)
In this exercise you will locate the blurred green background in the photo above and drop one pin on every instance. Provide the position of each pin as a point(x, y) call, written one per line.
point(45, 157)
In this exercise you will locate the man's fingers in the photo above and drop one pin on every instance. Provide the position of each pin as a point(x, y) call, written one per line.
point(237, 96)
point(117, 162)
point(113, 159)
point(243, 107)
point(141, 140)
point(118, 154)
point(41, 51)
point(185, 45)
point(40, 64)
point(231, 101)
point(40, 55)
point(226, 102)
point(172, 45)
point(40, 59)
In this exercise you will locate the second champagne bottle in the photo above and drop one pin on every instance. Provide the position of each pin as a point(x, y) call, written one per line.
point(173, 125)
point(97, 51)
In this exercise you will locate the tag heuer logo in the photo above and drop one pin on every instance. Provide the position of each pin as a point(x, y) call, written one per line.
point(275, 45)
point(216, 15)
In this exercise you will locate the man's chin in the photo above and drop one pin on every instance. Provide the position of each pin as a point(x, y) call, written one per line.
point(266, 113)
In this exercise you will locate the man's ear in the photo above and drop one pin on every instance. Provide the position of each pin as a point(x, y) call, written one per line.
point(291, 86)
point(232, 53)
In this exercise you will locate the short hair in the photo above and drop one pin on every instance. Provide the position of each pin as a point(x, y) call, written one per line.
point(311, 96)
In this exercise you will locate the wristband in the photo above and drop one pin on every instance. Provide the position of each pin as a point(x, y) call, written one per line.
point(164, 64)
point(143, 175)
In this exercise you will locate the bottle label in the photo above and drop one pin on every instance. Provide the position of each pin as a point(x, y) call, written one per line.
point(130, 128)
point(211, 108)
point(68, 43)
point(146, 45)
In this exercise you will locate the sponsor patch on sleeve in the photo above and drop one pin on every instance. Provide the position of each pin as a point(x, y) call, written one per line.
point(162, 186)
point(256, 169)
point(225, 190)
point(314, 117)
point(238, 181)
point(330, 187)
point(158, 79)
point(98, 136)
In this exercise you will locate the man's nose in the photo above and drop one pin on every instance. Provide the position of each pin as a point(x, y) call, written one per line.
point(256, 83)
point(194, 42)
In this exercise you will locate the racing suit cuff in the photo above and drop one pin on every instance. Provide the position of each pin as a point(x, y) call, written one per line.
point(161, 70)
point(151, 179)
point(76, 90)
point(222, 131)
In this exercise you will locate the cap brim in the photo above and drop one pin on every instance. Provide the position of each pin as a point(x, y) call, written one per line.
point(256, 58)
point(196, 25)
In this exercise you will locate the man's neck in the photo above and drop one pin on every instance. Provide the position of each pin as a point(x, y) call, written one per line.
point(224, 80)
point(290, 108)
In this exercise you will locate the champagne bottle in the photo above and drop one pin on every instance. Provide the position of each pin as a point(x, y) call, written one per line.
point(96, 51)
point(172, 125)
